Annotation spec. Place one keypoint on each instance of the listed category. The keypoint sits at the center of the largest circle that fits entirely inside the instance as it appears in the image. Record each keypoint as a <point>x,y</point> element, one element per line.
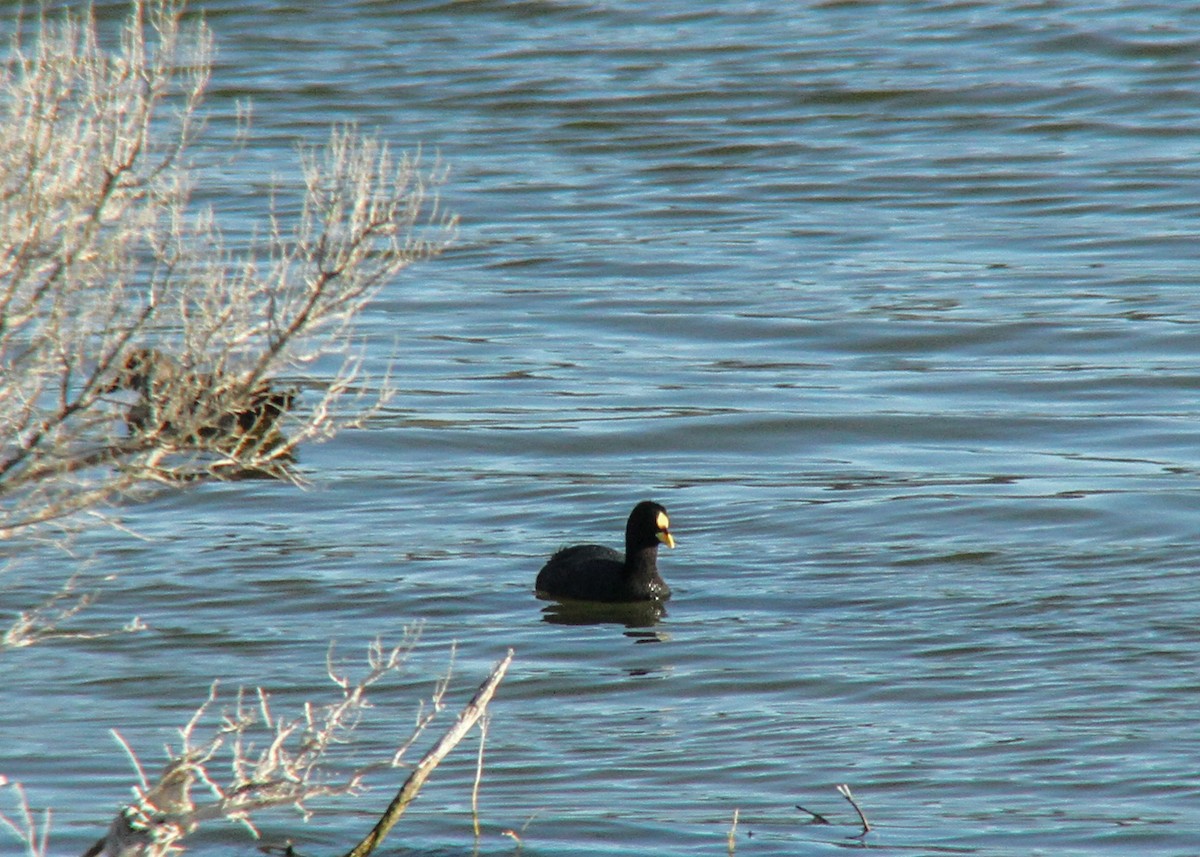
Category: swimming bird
<point>599,573</point>
<point>217,410</point>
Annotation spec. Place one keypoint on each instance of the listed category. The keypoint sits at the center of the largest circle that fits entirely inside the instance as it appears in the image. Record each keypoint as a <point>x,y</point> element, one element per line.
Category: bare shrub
<point>33,833</point>
<point>45,621</point>
<point>252,760</point>
<point>137,350</point>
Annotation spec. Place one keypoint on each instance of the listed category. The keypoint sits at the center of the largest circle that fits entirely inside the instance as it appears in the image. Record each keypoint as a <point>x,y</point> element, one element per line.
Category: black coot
<point>598,573</point>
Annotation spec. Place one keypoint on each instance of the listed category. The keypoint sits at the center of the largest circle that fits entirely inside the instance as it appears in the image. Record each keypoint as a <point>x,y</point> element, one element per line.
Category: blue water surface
<point>892,304</point>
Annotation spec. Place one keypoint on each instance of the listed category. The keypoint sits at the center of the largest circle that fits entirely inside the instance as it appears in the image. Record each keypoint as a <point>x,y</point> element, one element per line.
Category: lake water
<point>893,305</point>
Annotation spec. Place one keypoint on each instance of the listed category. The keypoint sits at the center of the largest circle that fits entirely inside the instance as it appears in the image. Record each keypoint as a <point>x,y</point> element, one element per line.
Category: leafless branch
<point>45,620</point>
<point>138,351</point>
<point>25,827</point>
<point>844,791</point>
<point>815,817</point>
<point>483,729</point>
<point>271,761</point>
<point>474,710</point>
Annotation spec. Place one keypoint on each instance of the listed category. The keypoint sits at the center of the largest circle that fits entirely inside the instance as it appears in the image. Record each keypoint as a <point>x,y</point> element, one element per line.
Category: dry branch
<point>104,260</point>
<point>31,833</point>
<point>815,817</point>
<point>271,761</point>
<point>474,710</point>
<point>844,791</point>
<point>483,731</point>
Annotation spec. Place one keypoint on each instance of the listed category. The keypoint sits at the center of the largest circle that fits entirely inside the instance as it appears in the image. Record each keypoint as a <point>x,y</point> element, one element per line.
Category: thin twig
<point>143,783</point>
<point>844,791</point>
<point>25,827</point>
<point>733,833</point>
<point>515,836</point>
<point>408,792</point>
<point>483,728</point>
<point>816,818</point>
<point>43,622</point>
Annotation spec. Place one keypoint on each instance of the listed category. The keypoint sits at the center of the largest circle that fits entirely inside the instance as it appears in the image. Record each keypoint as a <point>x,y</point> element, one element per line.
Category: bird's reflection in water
<point>639,618</point>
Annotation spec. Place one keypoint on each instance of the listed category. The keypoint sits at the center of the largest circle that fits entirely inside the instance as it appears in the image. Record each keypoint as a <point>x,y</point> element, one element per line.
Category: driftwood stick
<point>408,792</point>
<point>816,818</point>
<point>844,791</point>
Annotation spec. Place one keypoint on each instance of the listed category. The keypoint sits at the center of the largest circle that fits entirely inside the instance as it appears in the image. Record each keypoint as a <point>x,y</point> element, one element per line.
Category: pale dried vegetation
<point>137,350</point>
<point>245,759</point>
<point>140,352</point>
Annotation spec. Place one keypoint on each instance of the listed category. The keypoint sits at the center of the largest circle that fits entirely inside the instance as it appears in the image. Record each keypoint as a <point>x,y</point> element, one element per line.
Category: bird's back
<point>597,573</point>
<point>586,572</point>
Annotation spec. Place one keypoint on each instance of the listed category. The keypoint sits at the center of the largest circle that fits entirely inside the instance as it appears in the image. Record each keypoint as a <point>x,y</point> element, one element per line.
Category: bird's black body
<point>599,573</point>
<point>211,410</point>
